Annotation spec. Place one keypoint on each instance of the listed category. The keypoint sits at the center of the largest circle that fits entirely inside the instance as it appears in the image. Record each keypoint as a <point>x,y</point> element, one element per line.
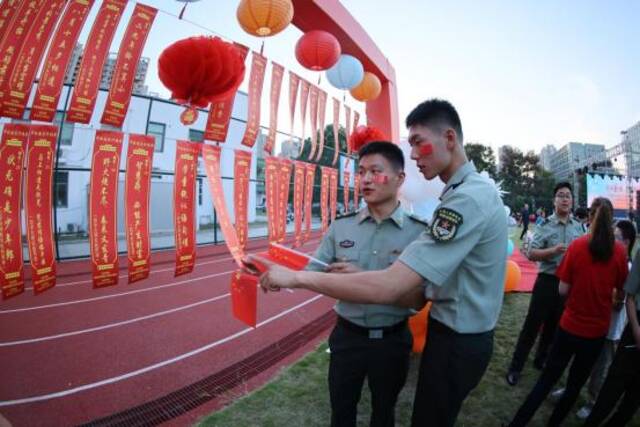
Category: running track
<point>75,354</point>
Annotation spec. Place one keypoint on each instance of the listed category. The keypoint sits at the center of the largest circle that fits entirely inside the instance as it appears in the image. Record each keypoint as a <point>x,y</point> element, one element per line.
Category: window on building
<point>196,135</point>
<point>66,131</point>
<point>158,131</point>
<point>61,191</point>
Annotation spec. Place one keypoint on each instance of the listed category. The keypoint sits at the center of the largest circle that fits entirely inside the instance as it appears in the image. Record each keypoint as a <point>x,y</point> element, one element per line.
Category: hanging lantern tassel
<point>189,116</point>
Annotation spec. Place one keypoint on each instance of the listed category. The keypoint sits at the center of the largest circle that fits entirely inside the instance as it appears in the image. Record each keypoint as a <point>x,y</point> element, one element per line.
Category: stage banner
<point>87,84</point>
<point>324,197</point>
<point>8,11</point>
<point>38,203</point>
<point>184,190</point>
<point>347,128</point>
<point>28,61</point>
<point>284,180</point>
<point>211,155</point>
<point>277,71</point>
<point>241,177</point>
<point>322,112</point>
<point>336,131</point>
<point>49,89</point>
<point>137,191</point>
<point>346,178</point>
<point>304,99</point>
<point>294,82</point>
<point>103,208</point>
<point>298,200</point>
<point>13,146</point>
<point>117,105</point>
<point>333,176</point>
<point>308,198</point>
<point>244,297</point>
<point>256,79</point>
<point>271,191</point>
<point>313,112</point>
<point>220,111</point>
<point>28,15</point>
<point>356,192</point>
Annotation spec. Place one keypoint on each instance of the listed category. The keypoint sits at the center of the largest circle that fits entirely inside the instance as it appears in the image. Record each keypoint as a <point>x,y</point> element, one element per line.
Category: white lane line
<point>112,325</point>
<point>149,368</point>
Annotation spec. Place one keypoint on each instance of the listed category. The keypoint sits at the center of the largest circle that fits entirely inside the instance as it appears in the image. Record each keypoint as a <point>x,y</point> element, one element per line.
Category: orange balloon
<point>368,89</point>
<point>512,276</point>
<point>418,327</point>
<point>264,18</point>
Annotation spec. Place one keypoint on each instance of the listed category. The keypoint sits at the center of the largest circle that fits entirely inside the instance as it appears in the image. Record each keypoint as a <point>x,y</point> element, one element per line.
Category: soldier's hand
<point>275,276</point>
<point>343,267</point>
<point>560,248</point>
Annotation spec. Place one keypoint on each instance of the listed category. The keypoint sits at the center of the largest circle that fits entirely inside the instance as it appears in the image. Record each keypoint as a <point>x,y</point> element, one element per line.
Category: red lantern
<point>199,70</point>
<point>363,135</point>
<point>318,50</point>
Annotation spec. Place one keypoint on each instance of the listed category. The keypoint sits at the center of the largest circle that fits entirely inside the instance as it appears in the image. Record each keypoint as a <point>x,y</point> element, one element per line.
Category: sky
<point>523,73</point>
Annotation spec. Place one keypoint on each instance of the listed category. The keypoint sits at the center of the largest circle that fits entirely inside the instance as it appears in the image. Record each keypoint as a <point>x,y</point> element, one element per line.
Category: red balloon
<point>318,50</point>
<point>365,134</point>
<point>199,70</point>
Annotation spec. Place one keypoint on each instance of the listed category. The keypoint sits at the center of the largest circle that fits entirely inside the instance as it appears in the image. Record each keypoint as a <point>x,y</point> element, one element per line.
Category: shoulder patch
<point>419,219</point>
<point>445,224</point>
<point>347,215</point>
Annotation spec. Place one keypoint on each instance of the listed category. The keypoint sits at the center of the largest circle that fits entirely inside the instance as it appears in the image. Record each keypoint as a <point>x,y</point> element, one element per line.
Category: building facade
<point>546,154</point>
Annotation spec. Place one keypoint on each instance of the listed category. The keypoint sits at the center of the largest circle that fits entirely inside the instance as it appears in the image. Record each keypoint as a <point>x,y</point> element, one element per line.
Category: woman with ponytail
<point>591,274</point>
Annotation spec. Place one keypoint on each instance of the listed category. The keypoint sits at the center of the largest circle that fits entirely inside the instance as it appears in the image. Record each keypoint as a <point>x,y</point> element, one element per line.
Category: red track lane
<point>131,361</point>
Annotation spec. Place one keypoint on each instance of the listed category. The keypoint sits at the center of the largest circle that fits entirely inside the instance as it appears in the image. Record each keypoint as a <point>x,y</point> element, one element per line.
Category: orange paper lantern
<point>368,89</point>
<point>418,326</point>
<point>264,18</point>
<point>512,276</point>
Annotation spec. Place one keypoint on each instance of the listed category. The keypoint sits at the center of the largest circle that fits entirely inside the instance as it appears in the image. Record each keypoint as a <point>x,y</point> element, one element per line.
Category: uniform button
<point>375,252</point>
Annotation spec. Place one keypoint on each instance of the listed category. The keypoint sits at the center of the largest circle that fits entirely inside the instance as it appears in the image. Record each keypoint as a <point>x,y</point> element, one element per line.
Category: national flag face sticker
<point>425,149</point>
<point>445,224</point>
<point>380,179</point>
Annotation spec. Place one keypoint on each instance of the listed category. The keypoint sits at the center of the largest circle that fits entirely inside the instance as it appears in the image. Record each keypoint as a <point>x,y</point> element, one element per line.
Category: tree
<point>482,157</point>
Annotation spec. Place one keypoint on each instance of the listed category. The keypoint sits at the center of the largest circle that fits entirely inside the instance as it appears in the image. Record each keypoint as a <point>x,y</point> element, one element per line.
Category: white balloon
<point>418,194</point>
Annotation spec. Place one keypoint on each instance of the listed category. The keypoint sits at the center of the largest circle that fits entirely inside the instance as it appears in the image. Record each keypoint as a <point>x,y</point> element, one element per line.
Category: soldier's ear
<point>401,177</point>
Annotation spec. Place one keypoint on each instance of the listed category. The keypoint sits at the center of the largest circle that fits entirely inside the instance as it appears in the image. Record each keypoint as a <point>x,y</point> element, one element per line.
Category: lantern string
<point>262,48</point>
<point>182,11</point>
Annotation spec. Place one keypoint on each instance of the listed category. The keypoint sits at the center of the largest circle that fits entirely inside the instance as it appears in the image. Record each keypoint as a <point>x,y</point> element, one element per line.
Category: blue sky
<point>521,73</point>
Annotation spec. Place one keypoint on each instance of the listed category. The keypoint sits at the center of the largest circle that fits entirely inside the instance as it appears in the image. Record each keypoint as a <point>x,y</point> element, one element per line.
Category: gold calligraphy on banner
<point>241,174</point>
<point>256,79</point>
<point>334,193</point>
<point>184,205</point>
<point>347,113</point>
<point>277,71</point>
<point>346,178</point>
<point>271,190</point>
<point>298,201</point>
<point>308,198</point>
<point>8,12</point>
<point>336,130</point>
<point>294,82</point>
<point>304,99</point>
<point>325,182</point>
<point>313,116</point>
<point>322,110</point>
<point>284,182</point>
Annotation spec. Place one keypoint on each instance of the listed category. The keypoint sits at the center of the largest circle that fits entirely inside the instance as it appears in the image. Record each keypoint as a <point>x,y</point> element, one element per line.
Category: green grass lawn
<point>298,396</point>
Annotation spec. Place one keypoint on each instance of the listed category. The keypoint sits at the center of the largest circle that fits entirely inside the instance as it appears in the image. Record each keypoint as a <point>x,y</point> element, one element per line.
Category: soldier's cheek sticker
<point>380,179</point>
<point>425,149</point>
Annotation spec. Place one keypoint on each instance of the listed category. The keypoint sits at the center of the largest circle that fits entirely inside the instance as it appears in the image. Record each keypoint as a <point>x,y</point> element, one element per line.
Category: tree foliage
<point>482,157</point>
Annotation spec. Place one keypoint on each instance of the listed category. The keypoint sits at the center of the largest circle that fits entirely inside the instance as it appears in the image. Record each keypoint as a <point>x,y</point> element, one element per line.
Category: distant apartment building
<point>571,156</point>
<point>546,154</point>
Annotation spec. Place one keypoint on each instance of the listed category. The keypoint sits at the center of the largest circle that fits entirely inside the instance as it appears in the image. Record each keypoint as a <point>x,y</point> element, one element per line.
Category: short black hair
<point>581,212</point>
<point>386,149</point>
<point>436,113</point>
<point>628,232</point>
<point>563,184</point>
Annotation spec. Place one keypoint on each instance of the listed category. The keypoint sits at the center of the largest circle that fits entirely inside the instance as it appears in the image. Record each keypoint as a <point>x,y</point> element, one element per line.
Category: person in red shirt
<point>591,275</point>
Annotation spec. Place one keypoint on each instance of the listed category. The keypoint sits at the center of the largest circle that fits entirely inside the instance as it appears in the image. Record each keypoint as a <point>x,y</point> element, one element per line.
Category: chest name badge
<point>445,224</point>
<point>347,244</point>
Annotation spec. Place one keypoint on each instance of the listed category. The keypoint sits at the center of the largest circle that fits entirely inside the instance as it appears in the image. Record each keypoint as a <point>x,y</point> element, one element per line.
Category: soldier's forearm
<point>541,254</point>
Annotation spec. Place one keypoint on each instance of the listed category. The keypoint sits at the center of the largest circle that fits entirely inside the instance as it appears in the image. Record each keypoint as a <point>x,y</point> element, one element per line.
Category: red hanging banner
<point>42,149</point>
<point>304,99</point>
<point>334,193</point>
<point>308,198</point>
<point>356,192</point>
<point>298,200</point>
<point>103,207</point>
<point>271,191</point>
<point>347,113</point>
<point>322,112</point>
<point>356,119</point>
<point>277,71</point>
<point>241,176</point>
<point>184,186</point>
<point>55,65</point>
<point>256,79</point>
<point>336,131</point>
<point>294,82</point>
<point>137,190</point>
<point>28,15</point>
<point>8,11</point>
<point>284,179</point>
<point>211,155</point>
<point>117,105</point>
<point>346,178</point>
<point>324,197</point>
<point>244,297</point>
<point>12,153</point>
<point>85,93</point>
<point>313,112</point>
<point>220,111</point>
<point>28,60</point>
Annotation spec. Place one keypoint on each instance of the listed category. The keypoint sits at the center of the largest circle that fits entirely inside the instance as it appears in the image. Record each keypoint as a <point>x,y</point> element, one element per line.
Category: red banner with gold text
<point>322,112</point>
<point>333,202</point>
<point>13,147</point>
<point>184,205</point>
<point>294,82</point>
<point>103,207</point>
<point>256,79</point>
<point>298,200</point>
<point>95,53</point>
<point>42,149</point>
<point>8,11</point>
<point>313,117</point>
<point>28,60</point>
<point>136,195</point>
<point>211,155</point>
<point>308,198</point>
<point>304,100</point>
<point>241,177</point>
<point>284,180</point>
<point>117,105</point>
<point>336,131</point>
<point>277,71</point>
<point>220,111</point>
<point>347,114</point>
<point>346,178</point>
<point>47,96</point>
<point>271,192</point>
<point>356,192</point>
<point>325,182</point>
<point>356,119</point>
